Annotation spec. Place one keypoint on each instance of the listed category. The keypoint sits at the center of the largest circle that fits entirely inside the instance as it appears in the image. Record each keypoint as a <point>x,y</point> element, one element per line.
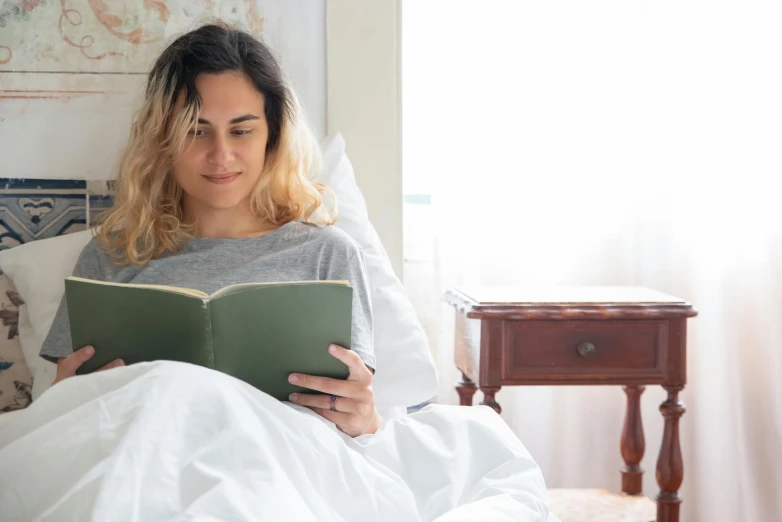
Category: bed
<point>171,441</point>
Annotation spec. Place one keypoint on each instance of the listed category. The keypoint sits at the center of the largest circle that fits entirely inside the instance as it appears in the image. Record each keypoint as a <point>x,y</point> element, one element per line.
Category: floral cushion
<point>16,383</point>
<point>597,505</point>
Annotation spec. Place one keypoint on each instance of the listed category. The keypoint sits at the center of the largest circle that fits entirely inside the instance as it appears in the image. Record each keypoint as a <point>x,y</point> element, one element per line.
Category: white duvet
<point>174,442</point>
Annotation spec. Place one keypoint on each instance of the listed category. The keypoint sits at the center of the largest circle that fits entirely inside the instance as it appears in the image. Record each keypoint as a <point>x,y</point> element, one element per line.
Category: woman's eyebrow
<point>238,119</point>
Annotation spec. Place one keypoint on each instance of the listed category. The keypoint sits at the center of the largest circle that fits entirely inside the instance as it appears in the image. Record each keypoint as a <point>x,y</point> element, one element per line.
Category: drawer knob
<point>586,349</point>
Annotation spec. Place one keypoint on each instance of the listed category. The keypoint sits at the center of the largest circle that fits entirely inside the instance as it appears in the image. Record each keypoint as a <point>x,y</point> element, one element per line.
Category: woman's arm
<point>349,404</point>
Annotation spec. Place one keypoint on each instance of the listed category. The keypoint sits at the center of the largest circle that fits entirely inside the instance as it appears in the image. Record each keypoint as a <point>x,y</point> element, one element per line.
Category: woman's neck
<point>237,222</point>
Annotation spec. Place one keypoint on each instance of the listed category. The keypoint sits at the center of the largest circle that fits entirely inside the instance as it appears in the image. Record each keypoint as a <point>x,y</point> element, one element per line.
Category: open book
<point>257,332</point>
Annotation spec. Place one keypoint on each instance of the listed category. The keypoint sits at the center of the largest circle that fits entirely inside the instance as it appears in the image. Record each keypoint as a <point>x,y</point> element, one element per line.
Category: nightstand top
<point>560,302</point>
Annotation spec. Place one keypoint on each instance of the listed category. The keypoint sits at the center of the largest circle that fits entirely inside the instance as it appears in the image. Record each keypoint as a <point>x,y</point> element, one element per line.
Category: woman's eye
<point>196,132</point>
<point>242,132</point>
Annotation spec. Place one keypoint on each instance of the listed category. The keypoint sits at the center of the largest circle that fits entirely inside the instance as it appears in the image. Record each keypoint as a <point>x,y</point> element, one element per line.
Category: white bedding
<point>169,441</point>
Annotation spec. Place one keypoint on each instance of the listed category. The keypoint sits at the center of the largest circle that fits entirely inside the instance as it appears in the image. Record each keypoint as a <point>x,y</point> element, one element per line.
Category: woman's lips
<point>222,179</point>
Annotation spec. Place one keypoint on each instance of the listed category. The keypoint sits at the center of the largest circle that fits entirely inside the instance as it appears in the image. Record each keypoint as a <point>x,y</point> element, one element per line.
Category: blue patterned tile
<point>34,216</point>
<point>33,209</point>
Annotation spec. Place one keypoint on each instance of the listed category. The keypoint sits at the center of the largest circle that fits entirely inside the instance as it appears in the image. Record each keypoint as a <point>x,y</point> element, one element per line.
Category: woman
<point>212,190</point>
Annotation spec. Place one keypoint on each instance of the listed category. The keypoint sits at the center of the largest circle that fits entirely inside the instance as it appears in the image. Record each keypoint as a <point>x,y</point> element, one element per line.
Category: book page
<point>241,287</point>
<point>162,288</point>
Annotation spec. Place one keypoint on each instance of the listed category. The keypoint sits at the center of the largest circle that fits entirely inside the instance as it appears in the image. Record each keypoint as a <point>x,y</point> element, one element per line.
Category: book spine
<point>208,332</point>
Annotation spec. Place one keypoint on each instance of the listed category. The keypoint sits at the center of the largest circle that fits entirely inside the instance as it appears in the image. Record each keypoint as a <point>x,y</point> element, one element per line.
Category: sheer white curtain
<point>615,142</point>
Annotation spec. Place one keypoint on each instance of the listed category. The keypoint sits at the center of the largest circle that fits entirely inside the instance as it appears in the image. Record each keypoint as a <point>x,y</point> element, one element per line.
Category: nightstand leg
<point>488,399</point>
<point>633,444</point>
<point>670,468</point>
<point>466,389</point>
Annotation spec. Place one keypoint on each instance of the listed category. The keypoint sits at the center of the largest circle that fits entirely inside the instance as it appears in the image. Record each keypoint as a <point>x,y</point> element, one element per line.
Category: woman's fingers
<point>67,366</point>
<point>323,402</point>
<point>358,381</point>
<point>116,363</point>
<point>358,370</point>
<point>72,363</point>
<point>324,384</point>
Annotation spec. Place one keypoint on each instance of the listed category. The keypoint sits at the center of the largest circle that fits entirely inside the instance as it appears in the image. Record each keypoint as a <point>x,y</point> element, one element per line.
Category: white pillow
<point>31,339</point>
<point>405,374</point>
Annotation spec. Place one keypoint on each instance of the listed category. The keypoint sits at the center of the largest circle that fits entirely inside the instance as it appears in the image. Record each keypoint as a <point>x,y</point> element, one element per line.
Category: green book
<point>257,332</point>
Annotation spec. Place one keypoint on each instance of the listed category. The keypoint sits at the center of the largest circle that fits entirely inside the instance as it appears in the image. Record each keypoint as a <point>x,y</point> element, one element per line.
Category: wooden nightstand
<point>626,336</point>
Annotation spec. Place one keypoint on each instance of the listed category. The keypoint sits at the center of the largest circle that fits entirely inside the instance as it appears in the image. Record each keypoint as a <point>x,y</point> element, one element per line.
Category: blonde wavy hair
<point>147,218</point>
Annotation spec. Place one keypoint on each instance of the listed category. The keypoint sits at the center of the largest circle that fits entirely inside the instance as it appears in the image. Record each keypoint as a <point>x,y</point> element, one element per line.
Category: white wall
<point>363,93</point>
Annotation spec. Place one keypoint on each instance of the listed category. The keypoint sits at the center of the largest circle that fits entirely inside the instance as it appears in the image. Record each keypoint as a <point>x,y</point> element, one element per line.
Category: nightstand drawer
<point>569,351</point>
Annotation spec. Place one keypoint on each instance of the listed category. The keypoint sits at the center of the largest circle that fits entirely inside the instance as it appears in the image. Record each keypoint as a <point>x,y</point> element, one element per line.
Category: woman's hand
<point>67,366</point>
<point>349,404</point>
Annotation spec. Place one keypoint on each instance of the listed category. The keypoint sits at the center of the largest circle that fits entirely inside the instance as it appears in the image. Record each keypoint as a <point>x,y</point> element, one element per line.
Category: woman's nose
<point>221,153</point>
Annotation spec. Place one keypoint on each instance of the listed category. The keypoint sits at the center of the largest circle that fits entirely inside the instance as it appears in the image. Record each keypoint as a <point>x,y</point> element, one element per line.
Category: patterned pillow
<point>16,383</point>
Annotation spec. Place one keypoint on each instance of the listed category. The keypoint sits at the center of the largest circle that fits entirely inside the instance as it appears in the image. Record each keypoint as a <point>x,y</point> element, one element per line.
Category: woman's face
<point>224,155</point>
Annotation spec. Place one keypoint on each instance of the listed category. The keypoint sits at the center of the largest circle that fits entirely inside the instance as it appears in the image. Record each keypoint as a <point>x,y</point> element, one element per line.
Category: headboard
<point>32,209</point>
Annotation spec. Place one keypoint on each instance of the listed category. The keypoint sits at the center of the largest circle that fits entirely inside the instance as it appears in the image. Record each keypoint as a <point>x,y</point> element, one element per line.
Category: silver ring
<point>333,406</point>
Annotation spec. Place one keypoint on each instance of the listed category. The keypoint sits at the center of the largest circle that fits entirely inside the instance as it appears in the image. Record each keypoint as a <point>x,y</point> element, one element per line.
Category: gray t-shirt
<point>294,252</point>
